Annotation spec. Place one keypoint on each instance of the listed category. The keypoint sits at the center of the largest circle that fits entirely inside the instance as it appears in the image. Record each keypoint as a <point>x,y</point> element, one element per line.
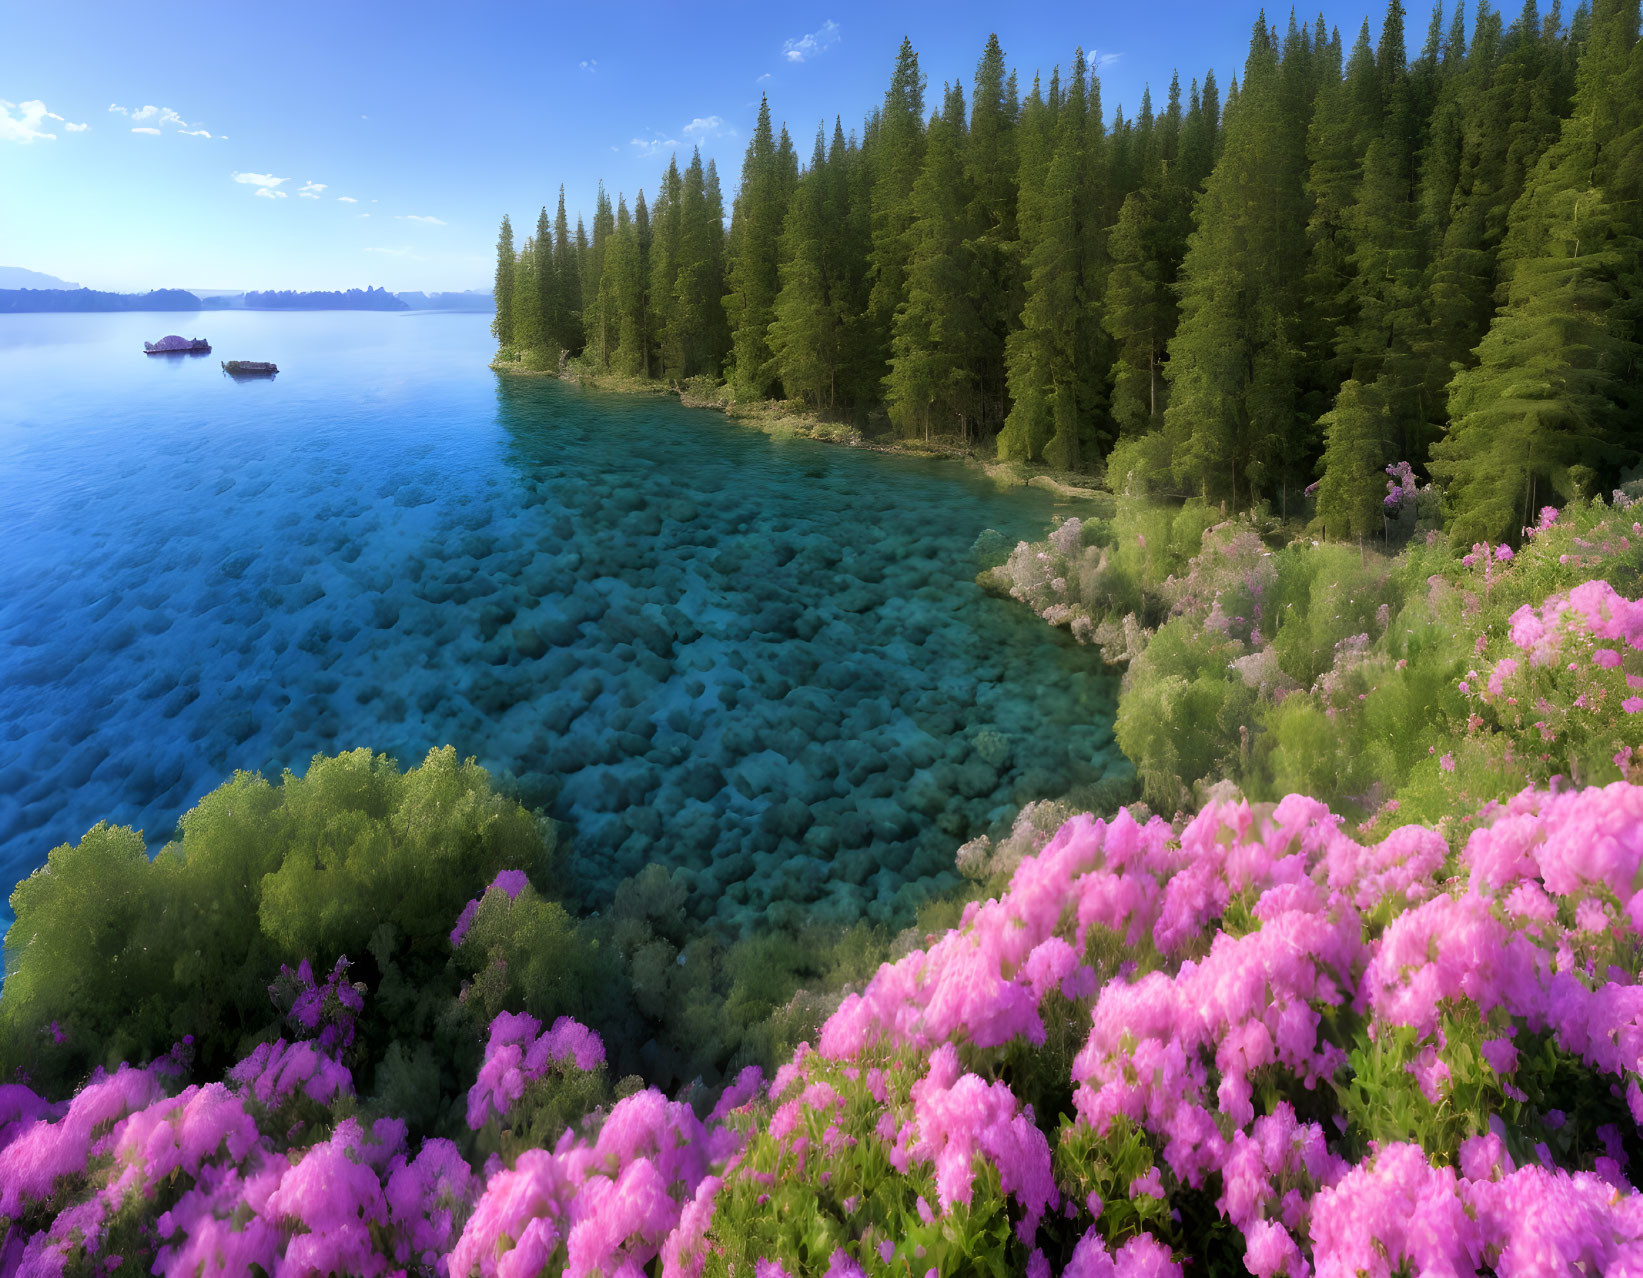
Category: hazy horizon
<point>9,279</point>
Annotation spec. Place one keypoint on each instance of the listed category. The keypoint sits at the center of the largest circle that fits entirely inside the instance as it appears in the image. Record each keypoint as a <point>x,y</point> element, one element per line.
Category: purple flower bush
<point>1561,693</point>
<point>1251,1036</point>
<point>517,1055</point>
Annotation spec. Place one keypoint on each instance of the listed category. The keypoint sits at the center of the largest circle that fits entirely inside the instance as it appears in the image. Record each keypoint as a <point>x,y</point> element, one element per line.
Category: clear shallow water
<point>763,661</point>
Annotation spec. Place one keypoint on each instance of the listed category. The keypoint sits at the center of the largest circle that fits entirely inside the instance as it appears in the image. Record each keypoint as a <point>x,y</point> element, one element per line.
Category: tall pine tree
<point>939,330</point>
<point>502,289</point>
<point>753,275</point>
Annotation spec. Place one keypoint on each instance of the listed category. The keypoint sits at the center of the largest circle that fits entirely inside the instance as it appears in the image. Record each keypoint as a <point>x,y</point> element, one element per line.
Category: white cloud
<point>310,190</point>
<point>397,252</point>
<point>416,217</point>
<point>259,179</point>
<point>76,128</point>
<point>145,129</point>
<point>809,46</point>
<point>364,215</point>
<point>1101,61</point>
<point>146,114</point>
<point>762,78</point>
<point>268,193</point>
<point>655,146</point>
<point>194,133</point>
<point>346,199</point>
<point>710,127</point>
<point>590,65</point>
<point>25,126</point>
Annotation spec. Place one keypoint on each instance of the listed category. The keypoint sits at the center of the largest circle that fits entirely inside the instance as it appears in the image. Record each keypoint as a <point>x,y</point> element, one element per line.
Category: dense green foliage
<point>115,956</point>
<point>1364,256</point>
<point>1291,666</point>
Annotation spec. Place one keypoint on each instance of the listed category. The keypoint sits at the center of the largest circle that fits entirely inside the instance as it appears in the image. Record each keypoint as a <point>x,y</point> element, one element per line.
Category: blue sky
<point>249,146</point>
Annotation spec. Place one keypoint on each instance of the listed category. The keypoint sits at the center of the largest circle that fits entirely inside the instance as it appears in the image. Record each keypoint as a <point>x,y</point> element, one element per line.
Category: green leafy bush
<point>125,956</point>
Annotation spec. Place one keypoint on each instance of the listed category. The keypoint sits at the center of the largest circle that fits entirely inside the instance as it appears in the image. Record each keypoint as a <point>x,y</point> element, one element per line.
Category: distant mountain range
<point>17,277</point>
<point>24,290</point>
<point>85,299</point>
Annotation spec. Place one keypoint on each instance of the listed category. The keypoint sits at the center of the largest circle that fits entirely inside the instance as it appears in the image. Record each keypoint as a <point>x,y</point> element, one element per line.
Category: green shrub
<point>127,955</point>
<point>1184,716</point>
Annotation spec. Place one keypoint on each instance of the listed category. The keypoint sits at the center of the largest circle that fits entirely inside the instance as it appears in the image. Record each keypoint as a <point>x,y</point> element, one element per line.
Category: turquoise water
<point>764,662</point>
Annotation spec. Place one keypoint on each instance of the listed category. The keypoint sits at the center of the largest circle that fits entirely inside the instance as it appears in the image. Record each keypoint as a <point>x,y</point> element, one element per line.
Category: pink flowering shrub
<point>534,1084</point>
<point>1250,1040</point>
<point>1562,692</point>
<point>1238,981</point>
<point>608,1202</point>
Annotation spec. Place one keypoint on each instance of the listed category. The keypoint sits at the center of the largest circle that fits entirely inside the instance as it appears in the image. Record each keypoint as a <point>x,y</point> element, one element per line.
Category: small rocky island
<point>249,368</point>
<point>174,345</point>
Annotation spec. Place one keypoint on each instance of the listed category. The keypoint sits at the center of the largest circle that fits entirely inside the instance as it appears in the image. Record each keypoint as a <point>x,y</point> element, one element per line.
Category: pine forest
<point>1260,296</point>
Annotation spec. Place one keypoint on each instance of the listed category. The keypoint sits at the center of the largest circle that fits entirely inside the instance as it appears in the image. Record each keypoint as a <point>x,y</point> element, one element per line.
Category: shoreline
<point>785,419</point>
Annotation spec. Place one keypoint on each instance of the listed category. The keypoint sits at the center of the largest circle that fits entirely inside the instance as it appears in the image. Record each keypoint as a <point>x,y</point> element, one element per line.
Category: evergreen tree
<point>1234,414</point>
<point>1139,313</point>
<point>601,324</point>
<point>698,330</point>
<point>1545,412</point>
<point>804,336</point>
<point>1354,479</point>
<point>990,173</point>
<point>546,294</point>
<point>849,219</point>
<point>1200,135</point>
<point>630,269</point>
<point>502,289</point>
<point>667,231</point>
<point>753,275</point>
<point>939,329</point>
<point>621,294</point>
<point>1344,120</point>
<point>1505,101</point>
<point>1347,258</point>
<point>896,155</point>
<point>567,299</point>
<point>1055,365</point>
<point>528,336</point>
<point>1387,260</point>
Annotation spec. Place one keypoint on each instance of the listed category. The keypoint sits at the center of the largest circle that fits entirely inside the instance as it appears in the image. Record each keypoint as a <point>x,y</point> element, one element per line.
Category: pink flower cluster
<point>1218,977</point>
<point>517,1054</point>
<point>1594,608</point>
<point>1569,681</point>
<point>1397,1210</point>
<point>958,1116</point>
<point>1323,923</point>
<point>352,1203</point>
<point>611,1204</point>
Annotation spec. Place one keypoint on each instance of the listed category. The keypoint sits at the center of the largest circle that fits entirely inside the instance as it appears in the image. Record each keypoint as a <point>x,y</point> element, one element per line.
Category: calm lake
<point>764,662</point>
